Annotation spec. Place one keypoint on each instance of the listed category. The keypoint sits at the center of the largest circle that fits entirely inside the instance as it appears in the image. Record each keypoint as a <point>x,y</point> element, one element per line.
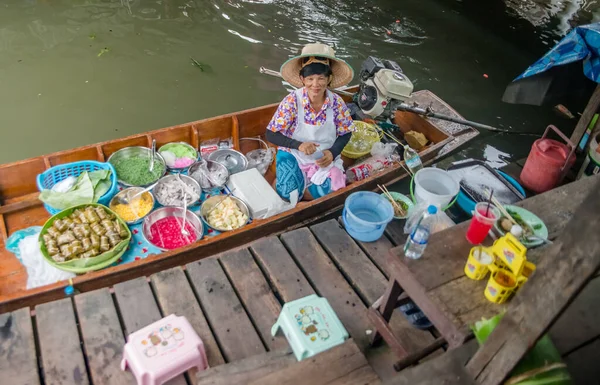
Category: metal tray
<point>475,177</point>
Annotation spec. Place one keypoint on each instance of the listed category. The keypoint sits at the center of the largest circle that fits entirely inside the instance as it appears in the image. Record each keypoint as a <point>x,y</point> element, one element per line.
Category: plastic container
<point>435,186</point>
<point>366,214</point>
<point>254,190</point>
<point>50,177</point>
<point>484,217</point>
<point>548,162</point>
<point>415,245</point>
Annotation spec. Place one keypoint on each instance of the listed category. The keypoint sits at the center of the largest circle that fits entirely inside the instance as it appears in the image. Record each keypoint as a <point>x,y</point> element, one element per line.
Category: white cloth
<point>39,272</point>
<point>324,136</point>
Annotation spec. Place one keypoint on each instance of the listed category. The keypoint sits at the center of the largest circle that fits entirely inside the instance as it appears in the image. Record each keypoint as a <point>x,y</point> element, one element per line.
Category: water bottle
<point>412,160</point>
<point>417,240</point>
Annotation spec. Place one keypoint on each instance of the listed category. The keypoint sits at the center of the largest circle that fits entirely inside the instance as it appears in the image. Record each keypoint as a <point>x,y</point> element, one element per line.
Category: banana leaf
<point>542,365</point>
<point>83,265</point>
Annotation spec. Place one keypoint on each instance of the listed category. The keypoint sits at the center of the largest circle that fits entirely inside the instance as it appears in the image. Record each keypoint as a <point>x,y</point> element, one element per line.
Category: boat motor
<point>383,87</point>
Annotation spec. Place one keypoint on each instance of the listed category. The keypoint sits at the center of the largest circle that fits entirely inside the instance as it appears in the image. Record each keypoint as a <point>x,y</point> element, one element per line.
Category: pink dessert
<point>166,233</point>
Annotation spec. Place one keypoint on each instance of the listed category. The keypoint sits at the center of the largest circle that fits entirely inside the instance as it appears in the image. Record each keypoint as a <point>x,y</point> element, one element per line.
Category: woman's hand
<point>326,159</point>
<point>308,148</point>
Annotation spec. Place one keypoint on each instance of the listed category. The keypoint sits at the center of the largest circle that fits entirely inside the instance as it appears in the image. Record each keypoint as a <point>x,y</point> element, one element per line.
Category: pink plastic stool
<point>163,350</point>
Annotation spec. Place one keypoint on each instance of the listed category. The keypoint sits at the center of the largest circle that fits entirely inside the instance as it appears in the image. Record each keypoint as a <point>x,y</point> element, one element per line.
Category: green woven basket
<point>80,266</point>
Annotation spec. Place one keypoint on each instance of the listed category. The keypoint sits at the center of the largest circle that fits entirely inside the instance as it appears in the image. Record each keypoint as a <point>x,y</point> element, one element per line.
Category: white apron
<point>324,136</point>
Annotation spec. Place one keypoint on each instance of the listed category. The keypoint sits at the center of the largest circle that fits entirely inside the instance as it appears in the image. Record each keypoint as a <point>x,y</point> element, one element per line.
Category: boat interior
<point>20,207</point>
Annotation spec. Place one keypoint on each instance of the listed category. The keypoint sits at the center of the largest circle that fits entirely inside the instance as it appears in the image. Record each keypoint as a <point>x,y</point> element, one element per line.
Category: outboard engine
<point>383,86</point>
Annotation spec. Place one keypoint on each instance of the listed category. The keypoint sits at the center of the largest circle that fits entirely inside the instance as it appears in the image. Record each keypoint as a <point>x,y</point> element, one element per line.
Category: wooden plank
<point>583,366</point>
<point>247,369</point>
<point>255,293</point>
<point>378,251</point>
<point>361,376</point>
<point>447,369</point>
<point>580,322</point>
<point>586,117</point>
<point>139,309</point>
<point>329,283</point>
<point>175,296</point>
<point>18,360</point>
<point>288,282</point>
<point>137,306</point>
<point>365,278</point>
<point>395,232</point>
<point>323,368</point>
<point>58,335</point>
<point>444,259</point>
<point>230,323</point>
<point>464,298</point>
<point>102,338</point>
<point>570,263</point>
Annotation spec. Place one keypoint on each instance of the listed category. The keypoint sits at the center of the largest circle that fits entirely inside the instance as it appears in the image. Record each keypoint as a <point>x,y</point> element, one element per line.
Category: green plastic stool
<point>310,326</point>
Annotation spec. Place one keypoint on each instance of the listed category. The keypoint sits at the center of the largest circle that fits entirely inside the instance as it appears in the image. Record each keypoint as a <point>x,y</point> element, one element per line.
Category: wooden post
<point>570,262</point>
<point>586,117</point>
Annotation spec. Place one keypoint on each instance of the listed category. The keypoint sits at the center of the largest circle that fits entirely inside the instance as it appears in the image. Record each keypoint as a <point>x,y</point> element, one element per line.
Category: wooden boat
<point>20,207</point>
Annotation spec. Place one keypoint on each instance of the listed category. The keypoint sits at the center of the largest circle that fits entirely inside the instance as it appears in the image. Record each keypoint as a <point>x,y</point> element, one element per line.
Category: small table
<point>437,284</point>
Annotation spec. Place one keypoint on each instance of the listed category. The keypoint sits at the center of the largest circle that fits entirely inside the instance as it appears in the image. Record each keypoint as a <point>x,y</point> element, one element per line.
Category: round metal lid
<point>233,160</point>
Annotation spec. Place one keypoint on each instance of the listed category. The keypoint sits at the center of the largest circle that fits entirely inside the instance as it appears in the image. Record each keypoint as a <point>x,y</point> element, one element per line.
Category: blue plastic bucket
<point>366,214</point>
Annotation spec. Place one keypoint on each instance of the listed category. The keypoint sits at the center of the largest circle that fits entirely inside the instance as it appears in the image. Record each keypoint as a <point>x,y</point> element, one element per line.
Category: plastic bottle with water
<point>412,159</point>
<point>417,240</point>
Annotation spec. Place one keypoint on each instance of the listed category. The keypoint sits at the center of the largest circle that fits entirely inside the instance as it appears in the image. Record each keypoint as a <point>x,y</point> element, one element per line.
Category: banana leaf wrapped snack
<point>83,236</point>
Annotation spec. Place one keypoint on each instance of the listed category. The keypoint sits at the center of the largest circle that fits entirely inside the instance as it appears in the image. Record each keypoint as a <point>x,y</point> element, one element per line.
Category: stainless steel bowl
<point>165,212</point>
<point>132,191</point>
<point>211,167</point>
<point>134,152</point>
<point>234,160</point>
<point>169,178</point>
<point>179,169</point>
<point>211,202</point>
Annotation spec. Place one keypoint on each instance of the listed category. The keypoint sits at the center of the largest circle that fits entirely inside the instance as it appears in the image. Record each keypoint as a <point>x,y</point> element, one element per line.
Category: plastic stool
<point>310,326</point>
<point>163,350</point>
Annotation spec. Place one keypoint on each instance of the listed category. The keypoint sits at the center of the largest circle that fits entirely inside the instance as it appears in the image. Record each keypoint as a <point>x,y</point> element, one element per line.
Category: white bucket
<point>435,186</point>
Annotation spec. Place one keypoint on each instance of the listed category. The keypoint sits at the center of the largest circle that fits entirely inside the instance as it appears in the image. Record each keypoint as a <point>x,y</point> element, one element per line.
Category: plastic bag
<point>383,149</point>
<point>39,272</point>
<point>261,159</point>
<point>441,220</point>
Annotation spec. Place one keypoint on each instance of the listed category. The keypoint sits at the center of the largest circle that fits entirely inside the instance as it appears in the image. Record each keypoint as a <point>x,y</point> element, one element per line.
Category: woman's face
<point>315,84</point>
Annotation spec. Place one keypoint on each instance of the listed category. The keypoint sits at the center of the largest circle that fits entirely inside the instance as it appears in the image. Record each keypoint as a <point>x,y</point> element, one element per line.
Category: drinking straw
<point>489,203</point>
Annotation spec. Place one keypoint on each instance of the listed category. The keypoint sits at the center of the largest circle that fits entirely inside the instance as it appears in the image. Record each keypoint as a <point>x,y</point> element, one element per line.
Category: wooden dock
<point>233,299</point>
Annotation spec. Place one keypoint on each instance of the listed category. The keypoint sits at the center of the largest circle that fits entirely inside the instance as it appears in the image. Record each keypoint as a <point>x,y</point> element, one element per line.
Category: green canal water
<point>82,71</point>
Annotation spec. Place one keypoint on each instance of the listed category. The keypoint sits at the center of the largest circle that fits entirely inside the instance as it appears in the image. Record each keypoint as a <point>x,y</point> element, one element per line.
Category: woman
<point>312,125</point>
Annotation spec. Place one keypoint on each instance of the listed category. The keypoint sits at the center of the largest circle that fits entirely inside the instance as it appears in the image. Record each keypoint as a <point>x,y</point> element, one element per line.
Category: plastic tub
<point>435,186</point>
<point>366,214</point>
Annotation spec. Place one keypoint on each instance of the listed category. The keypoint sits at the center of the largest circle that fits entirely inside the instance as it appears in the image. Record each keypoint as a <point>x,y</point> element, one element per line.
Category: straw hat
<point>342,72</point>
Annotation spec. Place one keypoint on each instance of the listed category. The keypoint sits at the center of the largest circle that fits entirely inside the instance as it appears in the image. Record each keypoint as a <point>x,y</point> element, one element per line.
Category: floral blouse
<point>284,119</point>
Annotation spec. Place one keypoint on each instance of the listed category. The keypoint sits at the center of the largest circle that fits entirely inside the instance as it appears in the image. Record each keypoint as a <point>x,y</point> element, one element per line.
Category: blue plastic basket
<point>52,176</point>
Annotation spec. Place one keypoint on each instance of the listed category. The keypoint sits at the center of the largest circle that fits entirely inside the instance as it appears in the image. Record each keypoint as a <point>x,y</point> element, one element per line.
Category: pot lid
<point>233,160</point>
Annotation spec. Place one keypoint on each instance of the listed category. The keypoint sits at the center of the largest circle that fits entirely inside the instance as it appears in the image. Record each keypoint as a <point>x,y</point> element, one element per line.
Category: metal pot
<point>233,160</point>
<point>211,202</point>
<point>135,152</point>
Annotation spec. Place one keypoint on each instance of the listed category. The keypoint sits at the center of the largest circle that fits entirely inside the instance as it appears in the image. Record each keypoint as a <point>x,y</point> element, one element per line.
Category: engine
<point>383,87</point>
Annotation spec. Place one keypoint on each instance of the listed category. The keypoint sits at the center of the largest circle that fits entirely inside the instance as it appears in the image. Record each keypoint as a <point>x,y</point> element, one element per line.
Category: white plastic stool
<point>310,326</point>
<point>163,350</point>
